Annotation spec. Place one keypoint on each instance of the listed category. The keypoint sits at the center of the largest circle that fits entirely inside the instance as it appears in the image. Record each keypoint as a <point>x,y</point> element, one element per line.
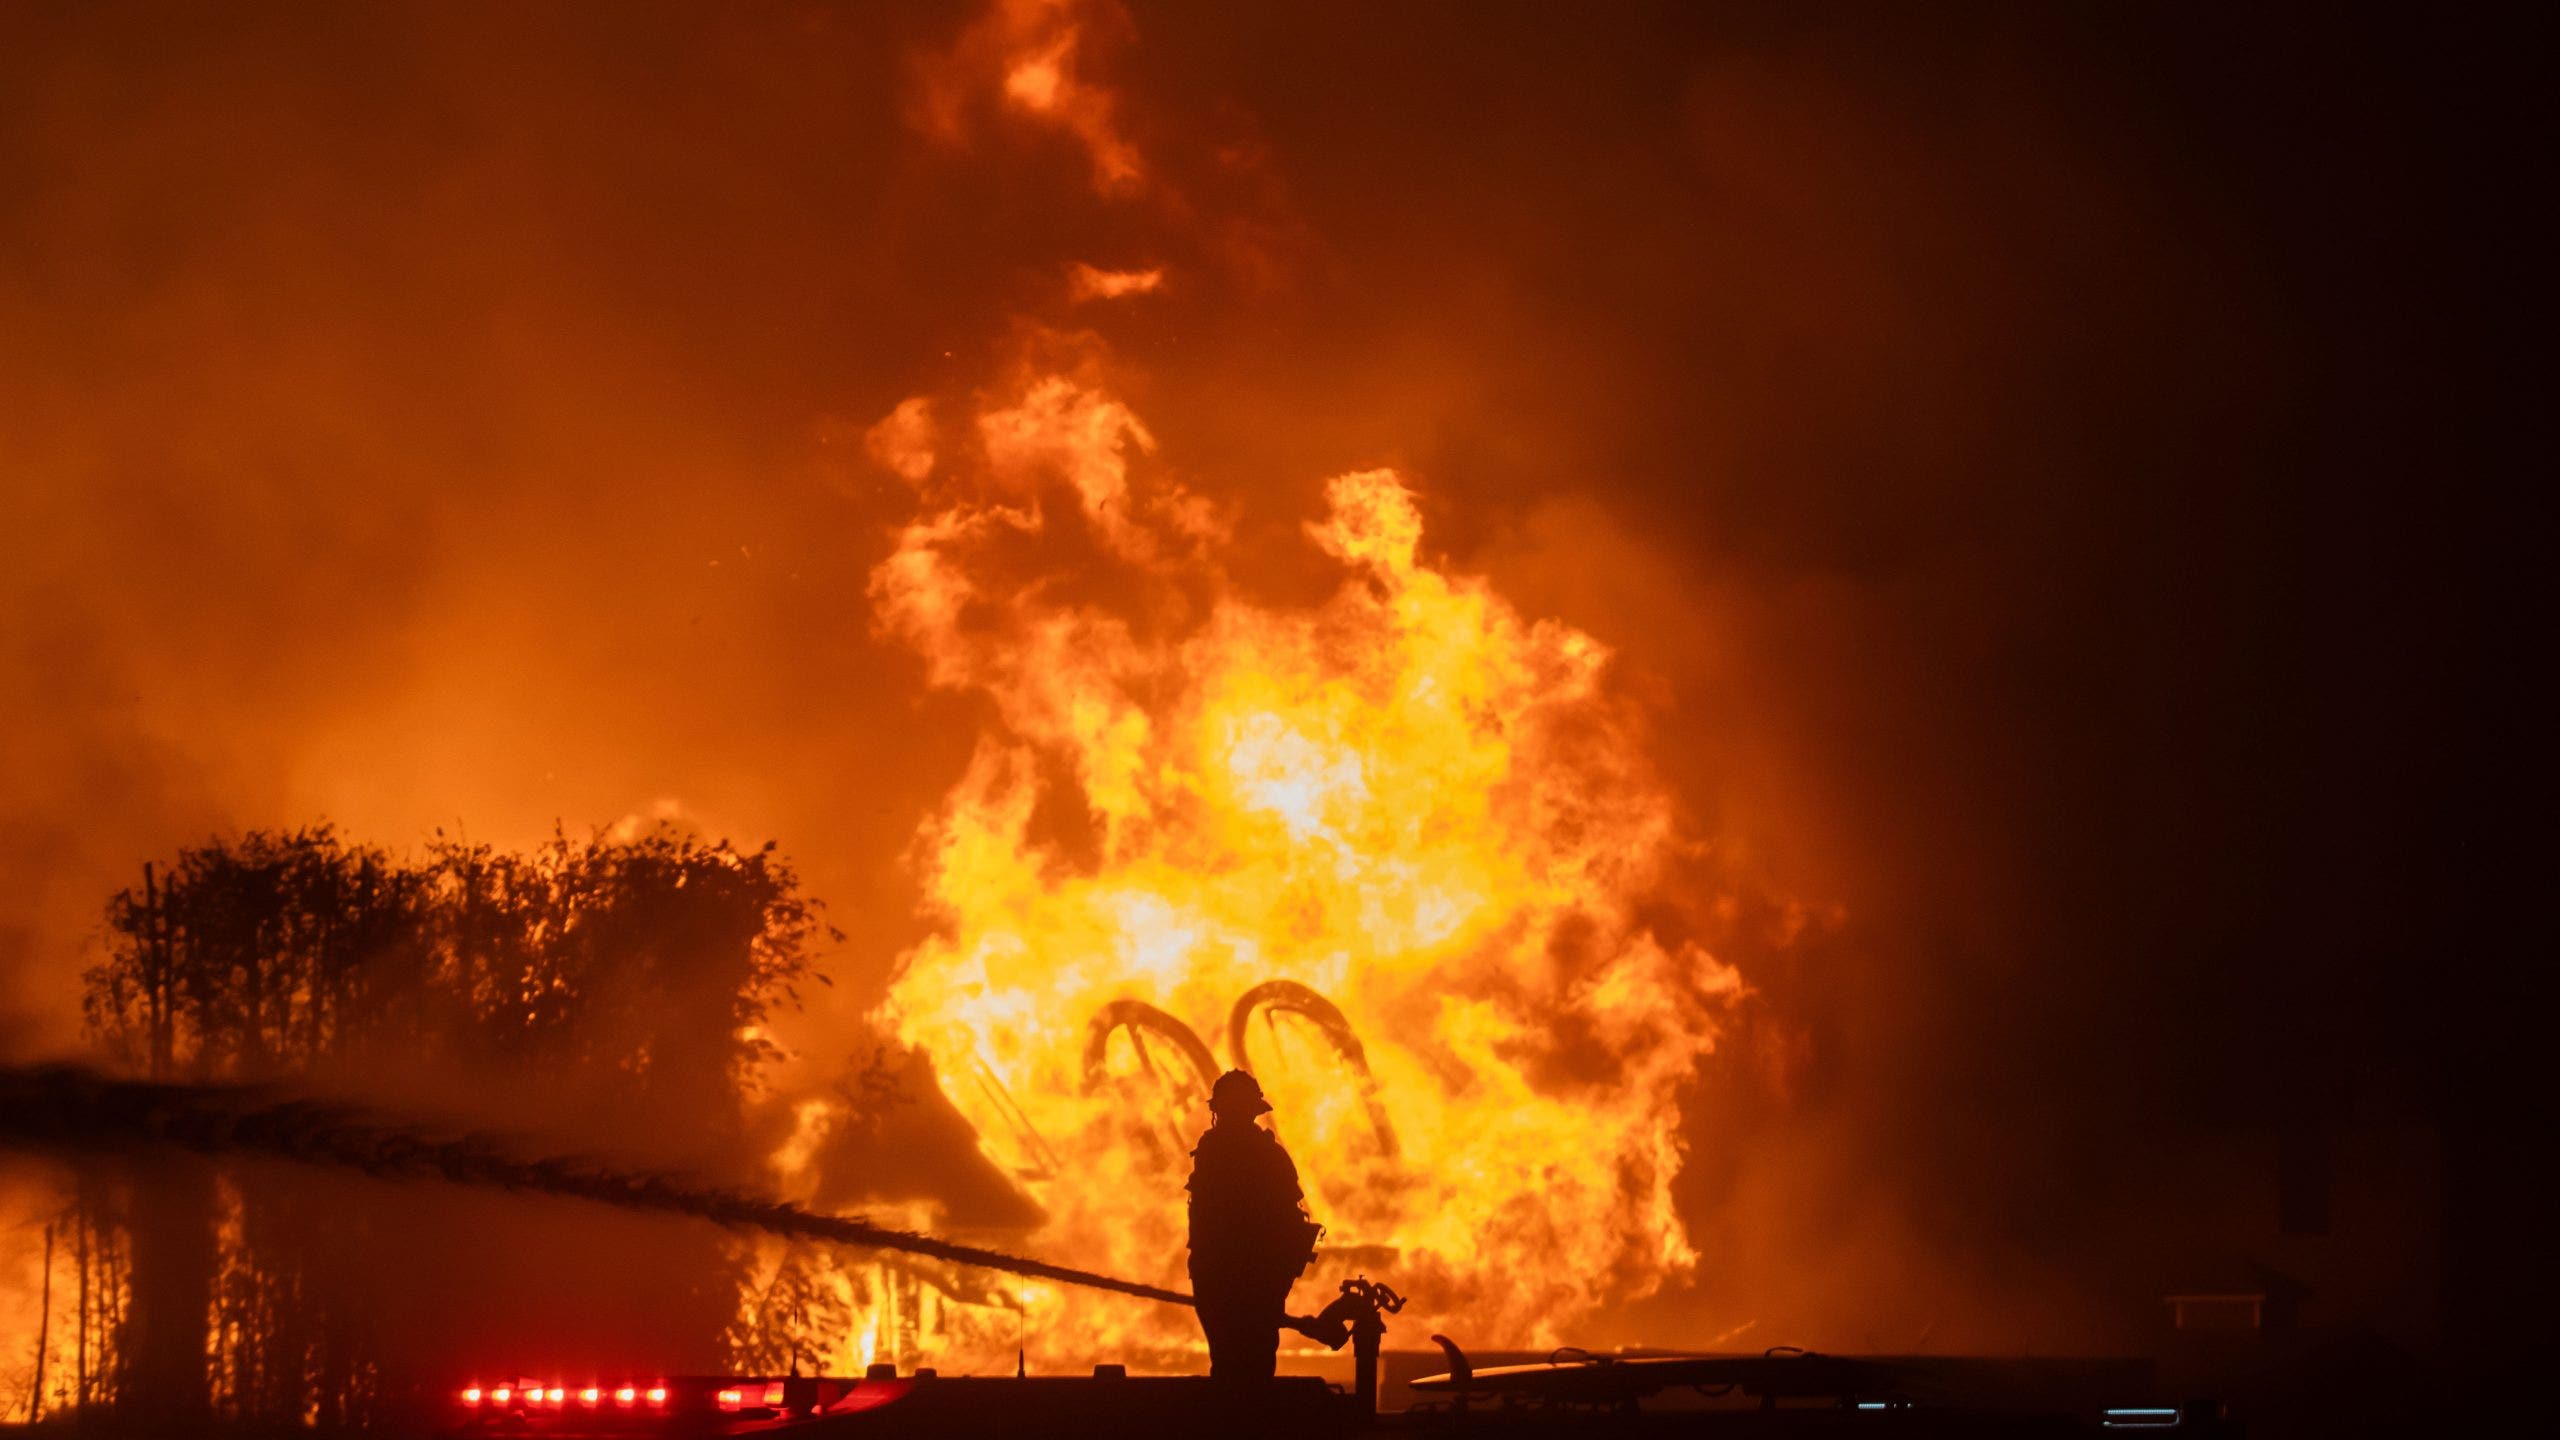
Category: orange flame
<point>1029,55</point>
<point>1424,812</point>
<point>1090,282</point>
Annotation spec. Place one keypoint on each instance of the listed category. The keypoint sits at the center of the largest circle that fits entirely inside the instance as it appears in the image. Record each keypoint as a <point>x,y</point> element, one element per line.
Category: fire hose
<point>68,1109</point>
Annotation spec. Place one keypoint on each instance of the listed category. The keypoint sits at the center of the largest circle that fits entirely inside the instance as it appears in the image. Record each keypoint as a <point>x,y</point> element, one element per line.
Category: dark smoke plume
<point>70,1109</point>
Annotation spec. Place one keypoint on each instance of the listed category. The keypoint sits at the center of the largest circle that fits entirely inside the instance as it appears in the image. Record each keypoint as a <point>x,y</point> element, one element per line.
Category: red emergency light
<point>769,1395</point>
<point>550,1394</point>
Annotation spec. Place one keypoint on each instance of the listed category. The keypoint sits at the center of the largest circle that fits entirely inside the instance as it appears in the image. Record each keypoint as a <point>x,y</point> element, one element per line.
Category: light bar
<point>550,1394</point>
<point>2139,1417</point>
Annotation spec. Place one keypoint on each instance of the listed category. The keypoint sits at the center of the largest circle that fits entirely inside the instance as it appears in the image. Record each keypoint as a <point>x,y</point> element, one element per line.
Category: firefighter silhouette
<point>1250,1235</point>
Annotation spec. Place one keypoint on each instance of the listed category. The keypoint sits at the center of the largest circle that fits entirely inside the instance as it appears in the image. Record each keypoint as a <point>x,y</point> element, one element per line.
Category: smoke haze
<point>1994,443</point>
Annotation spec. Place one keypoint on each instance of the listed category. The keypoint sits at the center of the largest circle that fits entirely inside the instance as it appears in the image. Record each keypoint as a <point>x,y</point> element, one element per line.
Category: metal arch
<point>1138,1015</point>
<point>1165,1132</point>
<point>1297,999</point>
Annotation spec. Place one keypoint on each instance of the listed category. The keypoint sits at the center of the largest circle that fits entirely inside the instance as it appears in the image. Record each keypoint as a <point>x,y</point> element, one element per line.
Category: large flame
<point>1408,801</point>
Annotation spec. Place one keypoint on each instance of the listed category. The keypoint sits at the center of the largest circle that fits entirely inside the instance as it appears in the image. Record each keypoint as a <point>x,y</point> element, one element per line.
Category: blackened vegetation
<point>608,987</point>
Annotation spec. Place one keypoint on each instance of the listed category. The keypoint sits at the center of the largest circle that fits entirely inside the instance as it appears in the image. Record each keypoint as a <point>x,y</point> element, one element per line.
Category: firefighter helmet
<point>1237,1093</point>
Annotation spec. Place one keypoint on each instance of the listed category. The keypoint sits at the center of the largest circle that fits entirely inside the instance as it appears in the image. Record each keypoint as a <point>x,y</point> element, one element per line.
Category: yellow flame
<point>1428,810</point>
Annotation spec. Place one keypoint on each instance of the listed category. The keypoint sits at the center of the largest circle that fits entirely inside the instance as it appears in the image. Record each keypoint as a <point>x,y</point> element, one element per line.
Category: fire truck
<point>1565,1393</point>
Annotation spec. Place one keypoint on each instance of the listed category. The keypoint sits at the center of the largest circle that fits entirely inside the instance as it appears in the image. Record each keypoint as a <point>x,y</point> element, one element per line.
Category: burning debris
<point>1401,851</point>
<point>1401,847</point>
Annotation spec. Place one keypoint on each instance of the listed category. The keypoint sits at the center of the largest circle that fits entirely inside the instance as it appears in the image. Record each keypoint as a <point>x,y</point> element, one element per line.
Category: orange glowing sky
<point>1939,444</point>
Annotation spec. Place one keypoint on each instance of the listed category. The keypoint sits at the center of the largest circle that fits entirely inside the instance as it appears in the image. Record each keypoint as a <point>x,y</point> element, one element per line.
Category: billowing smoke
<point>1980,438</point>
